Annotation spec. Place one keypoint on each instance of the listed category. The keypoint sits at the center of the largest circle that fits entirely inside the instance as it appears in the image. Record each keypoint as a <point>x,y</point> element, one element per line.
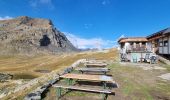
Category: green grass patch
<point>130,79</point>
<point>164,87</point>
<point>77,93</point>
<point>24,76</point>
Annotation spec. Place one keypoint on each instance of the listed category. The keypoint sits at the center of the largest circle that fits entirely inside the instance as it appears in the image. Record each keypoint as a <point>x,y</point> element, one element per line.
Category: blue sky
<point>95,23</point>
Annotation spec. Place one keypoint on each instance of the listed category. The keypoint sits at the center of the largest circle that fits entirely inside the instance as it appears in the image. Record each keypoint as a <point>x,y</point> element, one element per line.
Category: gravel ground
<point>144,66</point>
<point>165,76</point>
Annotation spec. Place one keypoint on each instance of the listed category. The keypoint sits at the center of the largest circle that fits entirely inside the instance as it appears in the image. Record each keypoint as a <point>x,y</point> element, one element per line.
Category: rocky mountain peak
<point>27,35</point>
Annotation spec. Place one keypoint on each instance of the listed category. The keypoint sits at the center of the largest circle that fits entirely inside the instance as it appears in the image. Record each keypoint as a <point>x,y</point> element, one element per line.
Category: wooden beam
<point>168,44</point>
<point>93,69</point>
<point>154,38</point>
<point>83,88</point>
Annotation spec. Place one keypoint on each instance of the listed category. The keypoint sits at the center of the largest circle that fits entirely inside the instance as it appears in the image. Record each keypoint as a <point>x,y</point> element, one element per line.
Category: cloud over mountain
<point>5,18</point>
<point>84,43</point>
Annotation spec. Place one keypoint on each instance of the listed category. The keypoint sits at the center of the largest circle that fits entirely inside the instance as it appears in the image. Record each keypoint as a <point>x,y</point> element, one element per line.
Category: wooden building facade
<point>160,42</point>
<point>156,43</point>
<point>133,48</point>
<point>133,44</point>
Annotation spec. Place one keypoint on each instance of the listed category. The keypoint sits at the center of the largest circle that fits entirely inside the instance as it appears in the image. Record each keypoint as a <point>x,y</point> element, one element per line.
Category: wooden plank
<point>82,88</point>
<point>93,69</point>
<point>96,61</point>
<point>104,64</point>
<point>103,78</point>
<point>96,65</point>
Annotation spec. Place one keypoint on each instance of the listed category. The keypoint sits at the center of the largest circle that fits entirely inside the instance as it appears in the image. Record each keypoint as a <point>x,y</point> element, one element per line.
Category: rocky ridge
<point>32,35</point>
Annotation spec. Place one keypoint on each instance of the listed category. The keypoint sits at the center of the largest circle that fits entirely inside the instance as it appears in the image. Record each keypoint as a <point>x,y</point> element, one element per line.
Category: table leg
<point>69,81</point>
<point>81,72</point>
<point>58,92</point>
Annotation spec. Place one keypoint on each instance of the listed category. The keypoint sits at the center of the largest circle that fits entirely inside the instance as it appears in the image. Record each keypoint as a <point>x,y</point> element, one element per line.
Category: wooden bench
<point>105,92</point>
<point>103,70</point>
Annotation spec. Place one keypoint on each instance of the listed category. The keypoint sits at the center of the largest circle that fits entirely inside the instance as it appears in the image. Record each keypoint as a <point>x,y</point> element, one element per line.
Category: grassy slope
<point>23,67</point>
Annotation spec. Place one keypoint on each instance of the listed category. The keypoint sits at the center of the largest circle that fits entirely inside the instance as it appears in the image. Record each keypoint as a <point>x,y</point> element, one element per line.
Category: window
<point>143,43</point>
<point>166,43</point>
<point>160,44</point>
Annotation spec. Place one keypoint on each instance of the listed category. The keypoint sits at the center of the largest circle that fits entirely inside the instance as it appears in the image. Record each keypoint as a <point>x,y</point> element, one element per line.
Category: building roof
<point>132,39</point>
<point>159,33</point>
<point>153,36</point>
<point>167,31</point>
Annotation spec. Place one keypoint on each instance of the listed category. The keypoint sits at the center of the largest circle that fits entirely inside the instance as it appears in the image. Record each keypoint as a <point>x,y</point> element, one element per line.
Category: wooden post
<point>162,45</point>
<point>168,44</point>
<point>141,58</point>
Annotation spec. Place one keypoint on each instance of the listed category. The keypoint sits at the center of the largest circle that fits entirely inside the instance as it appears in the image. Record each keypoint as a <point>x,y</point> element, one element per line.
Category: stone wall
<point>36,94</point>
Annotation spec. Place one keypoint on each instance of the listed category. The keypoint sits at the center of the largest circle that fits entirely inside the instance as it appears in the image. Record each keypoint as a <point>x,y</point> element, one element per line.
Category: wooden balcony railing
<point>137,49</point>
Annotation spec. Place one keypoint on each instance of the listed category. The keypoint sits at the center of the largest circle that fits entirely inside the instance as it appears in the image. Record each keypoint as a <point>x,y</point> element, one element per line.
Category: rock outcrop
<point>32,35</point>
<point>4,77</point>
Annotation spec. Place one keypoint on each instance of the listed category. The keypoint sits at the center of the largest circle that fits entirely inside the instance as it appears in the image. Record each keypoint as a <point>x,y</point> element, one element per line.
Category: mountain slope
<point>32,35</point>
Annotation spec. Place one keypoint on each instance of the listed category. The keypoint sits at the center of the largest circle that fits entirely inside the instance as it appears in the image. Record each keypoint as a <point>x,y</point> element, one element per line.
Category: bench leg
<point>104,73</point>
<point>104,85</point>
<point>58,93</point>
<point>104,96</point>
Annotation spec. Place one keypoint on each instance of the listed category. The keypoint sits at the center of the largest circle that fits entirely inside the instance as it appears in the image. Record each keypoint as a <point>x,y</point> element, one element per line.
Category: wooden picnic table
<point>103,70</point>
<point>96,65</point>
<point>102,78</point>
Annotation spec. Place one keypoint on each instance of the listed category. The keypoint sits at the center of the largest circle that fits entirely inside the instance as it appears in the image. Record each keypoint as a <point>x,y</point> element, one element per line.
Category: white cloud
<point>45,1</point>
<point>105,2</point>
<point>33,4</point>
<point>87,26</point>
<point>84,43</point>
<point>122,36</point>
<point>38,3</point>
<point>116,41</point>
<point>5,18</point>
